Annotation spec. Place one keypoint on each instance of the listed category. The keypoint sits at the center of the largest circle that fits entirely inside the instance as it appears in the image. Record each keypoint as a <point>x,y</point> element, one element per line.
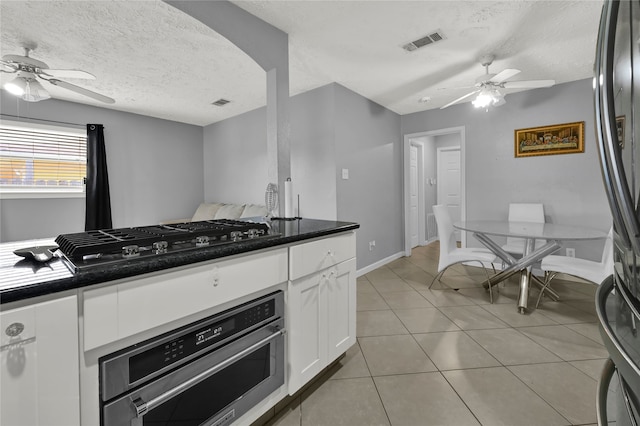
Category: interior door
<point>413,196</point>
<point>449,183</point>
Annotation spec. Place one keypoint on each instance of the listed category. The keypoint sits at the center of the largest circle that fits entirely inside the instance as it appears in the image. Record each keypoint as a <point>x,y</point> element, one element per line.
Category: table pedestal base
<point>522,265</point>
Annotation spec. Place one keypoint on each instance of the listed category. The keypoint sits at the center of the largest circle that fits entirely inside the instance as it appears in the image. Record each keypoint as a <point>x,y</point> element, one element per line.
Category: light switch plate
<point>345,173</point>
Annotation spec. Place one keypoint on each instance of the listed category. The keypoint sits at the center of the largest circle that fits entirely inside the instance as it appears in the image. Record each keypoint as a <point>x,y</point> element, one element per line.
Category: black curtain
<point>98,201</point>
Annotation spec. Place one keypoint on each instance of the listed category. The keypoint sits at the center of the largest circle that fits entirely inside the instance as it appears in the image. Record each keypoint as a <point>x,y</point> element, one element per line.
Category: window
<point>37,159</point>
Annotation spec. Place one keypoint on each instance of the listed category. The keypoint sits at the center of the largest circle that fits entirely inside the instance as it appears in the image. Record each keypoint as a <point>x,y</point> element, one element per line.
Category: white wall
<point>155,171</point>
<point>569,185</point>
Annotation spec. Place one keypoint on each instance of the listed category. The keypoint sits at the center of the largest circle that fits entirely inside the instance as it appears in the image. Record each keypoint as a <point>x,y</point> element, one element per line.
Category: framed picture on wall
<point>567,138</point>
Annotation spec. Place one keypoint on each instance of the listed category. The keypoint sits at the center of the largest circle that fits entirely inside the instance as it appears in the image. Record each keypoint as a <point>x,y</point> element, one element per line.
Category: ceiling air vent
<point>424,41</point>
<point>220,102</point>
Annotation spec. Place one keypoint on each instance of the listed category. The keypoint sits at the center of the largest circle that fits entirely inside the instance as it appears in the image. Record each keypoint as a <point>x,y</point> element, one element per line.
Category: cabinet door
<point>39,376</point>
<point>341,306</point>
<point>18,378</point>
<point>307,322</point>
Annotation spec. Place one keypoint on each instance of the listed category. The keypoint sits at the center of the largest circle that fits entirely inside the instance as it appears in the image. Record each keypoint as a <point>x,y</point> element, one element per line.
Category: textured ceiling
<point>154,60</point>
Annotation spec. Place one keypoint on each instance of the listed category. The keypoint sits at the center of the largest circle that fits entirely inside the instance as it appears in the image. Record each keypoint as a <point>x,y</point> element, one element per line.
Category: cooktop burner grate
<point>203,233</point>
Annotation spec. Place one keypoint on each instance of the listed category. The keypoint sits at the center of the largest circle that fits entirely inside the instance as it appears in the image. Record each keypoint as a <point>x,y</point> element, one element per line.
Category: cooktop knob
<point>130,251</point>
<point>202,241</point>
<point>160,247</point>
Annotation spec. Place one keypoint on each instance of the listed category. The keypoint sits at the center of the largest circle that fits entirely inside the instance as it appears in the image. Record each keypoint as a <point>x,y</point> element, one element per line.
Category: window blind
<point>43,160</point>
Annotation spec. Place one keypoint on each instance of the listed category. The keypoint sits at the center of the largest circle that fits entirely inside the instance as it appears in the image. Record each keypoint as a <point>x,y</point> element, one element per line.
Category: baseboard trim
<point>376,265</point>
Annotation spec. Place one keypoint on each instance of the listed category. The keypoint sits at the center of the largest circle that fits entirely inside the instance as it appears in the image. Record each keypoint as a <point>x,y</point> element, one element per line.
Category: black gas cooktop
<point>93,248</point>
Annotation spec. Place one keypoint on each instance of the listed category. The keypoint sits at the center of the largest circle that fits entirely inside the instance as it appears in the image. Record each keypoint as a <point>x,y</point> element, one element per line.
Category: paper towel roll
<point>288,199</point>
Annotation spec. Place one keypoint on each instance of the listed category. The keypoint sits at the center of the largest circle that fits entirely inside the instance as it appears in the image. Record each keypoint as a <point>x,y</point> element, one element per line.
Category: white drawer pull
<point>14,329</point>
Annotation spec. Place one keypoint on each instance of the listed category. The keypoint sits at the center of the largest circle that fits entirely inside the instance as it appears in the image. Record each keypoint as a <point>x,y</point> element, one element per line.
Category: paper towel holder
<point>286,202</point>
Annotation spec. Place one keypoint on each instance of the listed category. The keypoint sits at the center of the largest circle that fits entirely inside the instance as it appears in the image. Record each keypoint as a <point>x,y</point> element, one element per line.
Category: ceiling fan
<point>488,86</point>
<point>29,71</point>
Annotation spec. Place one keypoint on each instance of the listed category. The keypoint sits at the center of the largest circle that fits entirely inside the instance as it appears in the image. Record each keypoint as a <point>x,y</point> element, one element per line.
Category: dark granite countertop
<point>22,278</point>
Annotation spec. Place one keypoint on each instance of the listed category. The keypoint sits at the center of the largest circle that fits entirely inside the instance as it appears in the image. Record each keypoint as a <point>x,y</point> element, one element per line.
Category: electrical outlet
<point>372,244</point>
<point>571,252</point>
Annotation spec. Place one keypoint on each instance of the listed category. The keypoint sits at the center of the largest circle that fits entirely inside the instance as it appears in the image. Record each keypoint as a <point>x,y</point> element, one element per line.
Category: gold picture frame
<point>567,138</point>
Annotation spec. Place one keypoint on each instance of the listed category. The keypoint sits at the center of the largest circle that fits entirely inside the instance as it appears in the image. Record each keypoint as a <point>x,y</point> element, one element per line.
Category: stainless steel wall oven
<point>209,372</point>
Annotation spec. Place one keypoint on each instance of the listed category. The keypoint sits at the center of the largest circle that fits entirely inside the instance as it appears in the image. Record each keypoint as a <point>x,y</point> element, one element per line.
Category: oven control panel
<point>136,364</point>
<point>206,335</point>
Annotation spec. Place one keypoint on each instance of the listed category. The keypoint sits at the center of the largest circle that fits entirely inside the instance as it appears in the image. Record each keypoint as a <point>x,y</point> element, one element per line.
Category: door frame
<point>420,191</point>
<point>409,139</point>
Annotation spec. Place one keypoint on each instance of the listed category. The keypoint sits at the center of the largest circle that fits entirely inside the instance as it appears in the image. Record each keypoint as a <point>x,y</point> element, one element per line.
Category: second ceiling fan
<point>488,86</point>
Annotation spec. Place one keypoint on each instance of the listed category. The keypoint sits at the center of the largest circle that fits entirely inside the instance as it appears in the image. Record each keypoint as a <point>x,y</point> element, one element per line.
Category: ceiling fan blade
<point>68,74</point>
<point>460,99</point>
<point>9,65</point>
<point>528,84</point>
<point>504,75</point>
<point>82,91</point>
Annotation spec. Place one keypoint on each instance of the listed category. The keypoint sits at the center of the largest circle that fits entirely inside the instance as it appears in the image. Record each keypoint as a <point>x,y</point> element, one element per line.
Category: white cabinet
<point>133,306</point>
<point>321,306</point>
<point>39,353</point>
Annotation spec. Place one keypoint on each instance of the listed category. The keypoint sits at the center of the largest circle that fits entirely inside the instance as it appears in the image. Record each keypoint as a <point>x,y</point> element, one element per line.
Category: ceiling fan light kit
<point>488,86</point>
<point>27,88</point>
<point>487,98</point>
<point>26,85</point>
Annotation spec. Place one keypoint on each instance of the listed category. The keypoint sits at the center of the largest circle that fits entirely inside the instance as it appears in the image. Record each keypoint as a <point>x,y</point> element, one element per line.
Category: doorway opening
<point>427,183</point>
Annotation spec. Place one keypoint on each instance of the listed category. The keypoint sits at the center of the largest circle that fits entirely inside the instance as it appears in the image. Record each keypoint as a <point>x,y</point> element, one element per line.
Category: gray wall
<point>331,128</point>
<point>155,171</point>
<point>569,185</point>
<point>313,152</point>
<point>235,153</point>
<point>367,140</point>
<point>235,166</point>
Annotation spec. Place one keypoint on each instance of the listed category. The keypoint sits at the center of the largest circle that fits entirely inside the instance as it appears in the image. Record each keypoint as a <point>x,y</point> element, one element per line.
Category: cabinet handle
<point>14,330</point>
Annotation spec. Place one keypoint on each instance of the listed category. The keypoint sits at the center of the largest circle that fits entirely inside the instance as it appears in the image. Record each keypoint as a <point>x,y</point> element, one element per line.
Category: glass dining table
<point>552,233</point>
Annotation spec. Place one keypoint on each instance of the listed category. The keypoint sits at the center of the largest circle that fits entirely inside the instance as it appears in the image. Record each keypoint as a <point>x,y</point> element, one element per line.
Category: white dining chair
<point>450,253</point>
<point>523,212</point>
<point>589,270</point>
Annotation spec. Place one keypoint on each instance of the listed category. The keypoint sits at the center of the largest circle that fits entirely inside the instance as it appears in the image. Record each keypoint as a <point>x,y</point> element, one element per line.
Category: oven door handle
<point>141,407</point>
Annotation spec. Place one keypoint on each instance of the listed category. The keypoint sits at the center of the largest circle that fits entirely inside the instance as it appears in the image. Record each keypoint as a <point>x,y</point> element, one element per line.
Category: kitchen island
<point>22,279</point>
<point>63,322</point>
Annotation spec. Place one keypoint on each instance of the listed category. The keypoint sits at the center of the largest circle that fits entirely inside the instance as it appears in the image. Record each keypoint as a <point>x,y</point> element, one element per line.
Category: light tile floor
<point>446,356</point>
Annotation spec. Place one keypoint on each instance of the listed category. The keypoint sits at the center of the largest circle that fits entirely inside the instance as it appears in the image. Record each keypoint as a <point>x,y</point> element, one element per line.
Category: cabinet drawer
<point>122,310</point>
<point>317,255</point>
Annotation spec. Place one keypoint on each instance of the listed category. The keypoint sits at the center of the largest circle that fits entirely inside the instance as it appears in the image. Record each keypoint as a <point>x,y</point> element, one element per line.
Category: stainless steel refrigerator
<point>617,115</point>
